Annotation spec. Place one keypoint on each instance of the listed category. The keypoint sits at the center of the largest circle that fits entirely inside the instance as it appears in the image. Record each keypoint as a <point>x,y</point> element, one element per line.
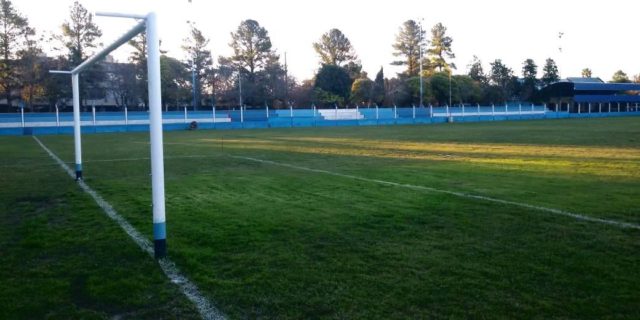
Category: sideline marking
<point>189,289</point>
<point>577,216</point>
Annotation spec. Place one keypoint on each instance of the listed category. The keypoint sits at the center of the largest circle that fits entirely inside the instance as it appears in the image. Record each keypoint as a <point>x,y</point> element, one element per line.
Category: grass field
<point>321,231</point>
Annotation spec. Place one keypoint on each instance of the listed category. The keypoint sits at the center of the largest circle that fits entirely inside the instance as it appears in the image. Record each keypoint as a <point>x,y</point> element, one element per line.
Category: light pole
<point>240,85</point>
<point>449,86</point>
<point>193,81</point>
<point>420,48</point>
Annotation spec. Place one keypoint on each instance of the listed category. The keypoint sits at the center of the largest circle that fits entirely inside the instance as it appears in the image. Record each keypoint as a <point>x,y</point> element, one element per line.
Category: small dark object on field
<point>193,125</point>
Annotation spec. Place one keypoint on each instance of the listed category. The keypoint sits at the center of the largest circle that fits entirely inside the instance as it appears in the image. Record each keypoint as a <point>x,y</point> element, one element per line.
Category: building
<point>590,95</point>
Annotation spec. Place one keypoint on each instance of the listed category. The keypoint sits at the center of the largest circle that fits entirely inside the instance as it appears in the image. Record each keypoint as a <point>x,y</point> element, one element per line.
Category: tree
<point>551,74</point>
<point>139,59</point>
<point>361,91</point>
<point>440,88</point>
<point>529,70</point>
<point>13,34</point>
<point>31,69</point>
<point>173,79</point>
<point>251,47</point>
<point>502,77</point>
<point>334,48</point>
<point>409,40</point>
<point>586,73</point>
<point>200,61</point>
<point>378,93</point>
<point>620,77</point>
<point>469,90</point>
<point>500,74</point>
<point>529,73</point>
<point>332,84</point>
<point>440,48</point>
<point>476,71</point>
<point>399,92</point>
<point>224,83</point>
<point>79,36</point>
<point>121,79</point>
<point>271,82</point>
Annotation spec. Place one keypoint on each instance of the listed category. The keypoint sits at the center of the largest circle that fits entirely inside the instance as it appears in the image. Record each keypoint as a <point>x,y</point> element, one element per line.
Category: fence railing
<point>266,117</point>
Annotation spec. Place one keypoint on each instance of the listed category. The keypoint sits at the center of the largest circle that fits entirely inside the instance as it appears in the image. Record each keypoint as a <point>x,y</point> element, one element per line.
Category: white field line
<point>146,158</point>
<point>189,289</point>
<point>577,216</point>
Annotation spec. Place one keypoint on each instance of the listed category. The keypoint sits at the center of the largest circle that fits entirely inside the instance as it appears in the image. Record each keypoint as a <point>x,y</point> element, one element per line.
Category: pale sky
<point>601,35</point>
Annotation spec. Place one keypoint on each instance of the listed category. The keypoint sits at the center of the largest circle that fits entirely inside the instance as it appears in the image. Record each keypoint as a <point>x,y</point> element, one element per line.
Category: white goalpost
<point>149,23</point>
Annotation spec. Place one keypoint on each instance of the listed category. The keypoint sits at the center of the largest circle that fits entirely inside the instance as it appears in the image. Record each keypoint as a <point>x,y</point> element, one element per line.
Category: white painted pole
<point>155,123</point>
<point>377,115</point>
<point>618,106</point>
<point>126,116</point>
<point>185,114</point>
<point>266,108</point>
<point>291,111</point>
<point>599,107</point>
<point>57,116</point>
<point>589,107</point>
<point>520,108</point>
<point>76,124</point>
<point>430,110</point>
<point>478,109</point>
<point>579,108</point>
<point>336,112</point>
<point>395,112</point>
<point>463,110</point>
<point>627,108</point>
<point>532,108</point>
<point>22,116</point>
<point>357,111</point>
<point>213,114</point>
<point>93,114</point>
<point>448,113</point>
<point>314,111</point>
<point>414,111</point>
<point>609,108</point>
<point>242,114</point>
<point>493,110</point>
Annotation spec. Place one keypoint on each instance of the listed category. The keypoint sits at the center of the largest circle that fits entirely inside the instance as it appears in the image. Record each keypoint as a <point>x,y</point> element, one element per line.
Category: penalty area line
<point>206,309</point>
<point>619,224</point>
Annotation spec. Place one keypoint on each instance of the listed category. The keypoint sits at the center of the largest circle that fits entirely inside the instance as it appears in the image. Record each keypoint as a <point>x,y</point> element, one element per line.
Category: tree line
<point>255,73</point>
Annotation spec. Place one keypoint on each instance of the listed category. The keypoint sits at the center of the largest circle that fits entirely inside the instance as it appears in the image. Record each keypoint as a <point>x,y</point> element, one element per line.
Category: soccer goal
<point>149,23</point>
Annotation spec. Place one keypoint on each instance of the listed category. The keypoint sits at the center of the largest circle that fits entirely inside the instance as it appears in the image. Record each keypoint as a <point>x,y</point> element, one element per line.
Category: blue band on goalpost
<point>159,231</point>
<point>78,171</point>
<point>160,240</point>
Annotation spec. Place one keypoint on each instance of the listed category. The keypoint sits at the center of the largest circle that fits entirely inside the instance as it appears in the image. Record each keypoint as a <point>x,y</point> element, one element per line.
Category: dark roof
<point>584,80</point>
<point>614,87</point>
<point>592,91</point>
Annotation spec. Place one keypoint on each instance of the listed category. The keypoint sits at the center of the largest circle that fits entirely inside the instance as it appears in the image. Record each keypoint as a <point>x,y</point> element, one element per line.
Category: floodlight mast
<point>150,24</point>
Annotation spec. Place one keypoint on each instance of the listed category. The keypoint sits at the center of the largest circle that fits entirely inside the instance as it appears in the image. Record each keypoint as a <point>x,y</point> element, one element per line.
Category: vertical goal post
<point>148,23</point>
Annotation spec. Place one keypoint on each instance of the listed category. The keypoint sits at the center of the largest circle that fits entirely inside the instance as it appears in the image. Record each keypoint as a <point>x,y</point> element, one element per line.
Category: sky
<point>600,35</point>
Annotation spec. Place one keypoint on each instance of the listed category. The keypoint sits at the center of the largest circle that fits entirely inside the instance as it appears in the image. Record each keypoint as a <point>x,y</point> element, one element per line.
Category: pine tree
<point>334,48</point>
<point>440,49</point>
<point>550,73</point>
<point>200,61</point>
<point>251,46</point>
<point>409,40</point>
<point>14,31</point>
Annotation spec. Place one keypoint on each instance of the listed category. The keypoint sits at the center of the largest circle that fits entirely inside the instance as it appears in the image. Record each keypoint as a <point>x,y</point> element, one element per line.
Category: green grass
<point>266,241</point>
